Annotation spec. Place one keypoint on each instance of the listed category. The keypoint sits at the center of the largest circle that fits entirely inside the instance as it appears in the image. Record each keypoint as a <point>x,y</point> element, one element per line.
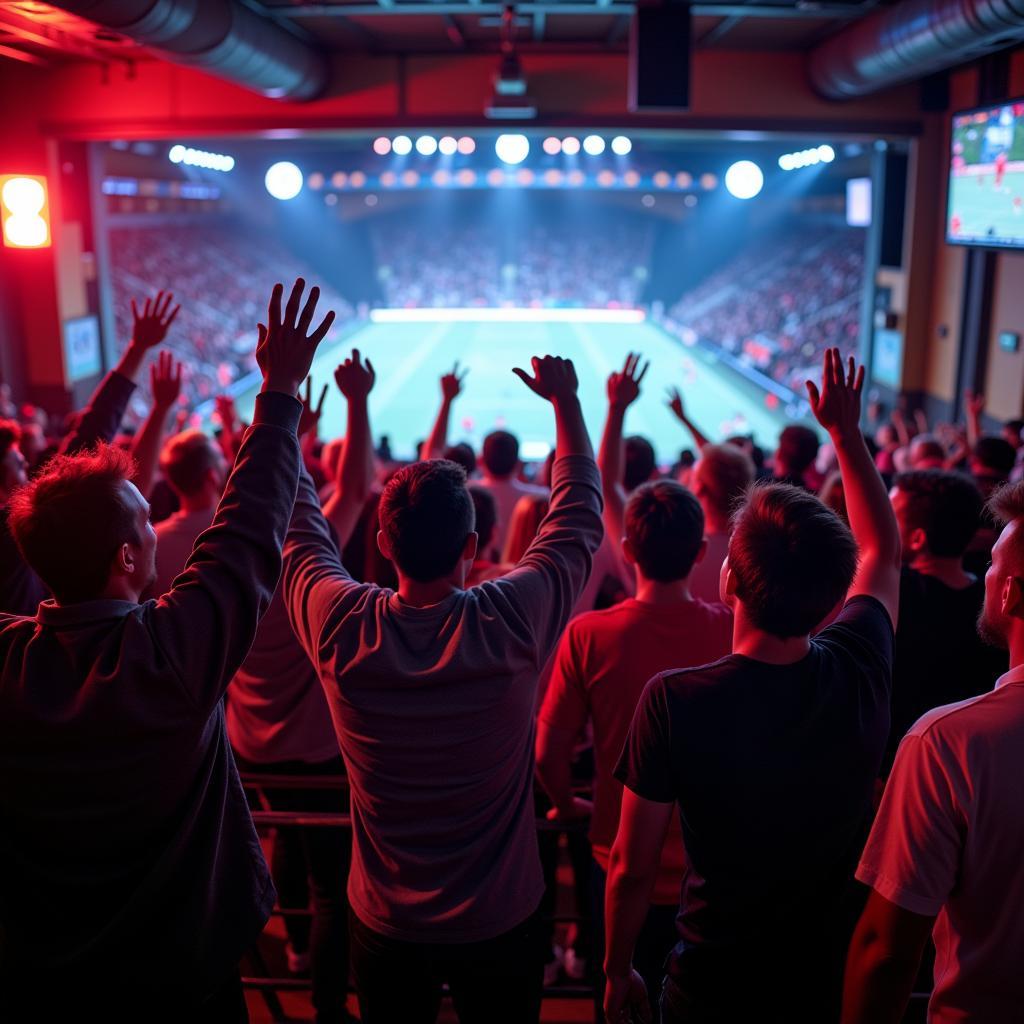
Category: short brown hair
<point>427,515</point>
<point>665,527</point>
<point>729,474</point>
<point>70,520</point>
<point>793,559</point>
<point>185,460</point>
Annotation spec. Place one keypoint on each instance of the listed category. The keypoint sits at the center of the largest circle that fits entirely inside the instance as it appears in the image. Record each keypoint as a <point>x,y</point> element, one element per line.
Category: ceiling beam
<point>576,9</point>
<point>24,56</point>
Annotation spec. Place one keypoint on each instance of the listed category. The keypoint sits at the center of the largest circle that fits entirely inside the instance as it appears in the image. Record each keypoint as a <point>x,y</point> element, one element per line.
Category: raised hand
<point>309,419</point>
<point>150,326</point>
<point>624,385</point>
<point>553,378</point>
<point>837,405</point>
<point>974,402</point>
<point>224,405</point>
<point>165,381</point>
<point>675,403</point>
<point>285,351</point>
<point>451,383</point>
<point>355,377</point>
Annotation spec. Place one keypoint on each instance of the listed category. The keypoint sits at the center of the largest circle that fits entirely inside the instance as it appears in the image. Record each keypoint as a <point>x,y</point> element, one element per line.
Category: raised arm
<point>355,381</point>
<point>974,406</point>
<point>675,403</point>
<point>165,384</point>
<point>623,391</point>
<point>451,388</point>
<point>309,420</point>
<point>836,406</point>
<point>539,595</point>
<point>102,416</point>
<point>206,623</point>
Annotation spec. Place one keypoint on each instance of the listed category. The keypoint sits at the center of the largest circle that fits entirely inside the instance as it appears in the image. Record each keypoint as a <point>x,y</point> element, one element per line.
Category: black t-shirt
<point>773,768</point>
<point>940,659</point>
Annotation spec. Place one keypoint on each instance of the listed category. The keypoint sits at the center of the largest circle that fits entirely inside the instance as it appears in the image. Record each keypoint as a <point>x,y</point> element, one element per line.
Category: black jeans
<point>313,861</point>
<point>653,945</point>
<point>497,981</point>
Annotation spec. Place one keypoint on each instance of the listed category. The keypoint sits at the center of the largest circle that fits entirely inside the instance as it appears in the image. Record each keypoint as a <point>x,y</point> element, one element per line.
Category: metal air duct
<point>912,39</point>
<point>223,37</point>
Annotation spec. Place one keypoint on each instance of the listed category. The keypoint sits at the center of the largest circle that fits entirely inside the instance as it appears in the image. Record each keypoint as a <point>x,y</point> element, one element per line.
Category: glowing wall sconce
<point>24,211</point>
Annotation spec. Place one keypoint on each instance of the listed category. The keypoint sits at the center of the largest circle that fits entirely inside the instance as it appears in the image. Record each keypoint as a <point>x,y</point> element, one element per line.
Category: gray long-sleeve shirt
<point>434,710</point>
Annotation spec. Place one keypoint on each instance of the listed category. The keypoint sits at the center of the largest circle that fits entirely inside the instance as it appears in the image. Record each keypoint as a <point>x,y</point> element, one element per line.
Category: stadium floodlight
<point>621,146</point>
<point>200,158</point>
<point>177,154</point>
<point>426,145</point>
<point>283,180</point>
<point>552,146</point>
<point>570,146</point>
<point>448,146</point>
<point>466,145</point>
<point>512,149</point>
<point>382,146</point>
<point>401,145</point>
<point>744,179</point>
<point>826,153</point>
<point>593,145</point>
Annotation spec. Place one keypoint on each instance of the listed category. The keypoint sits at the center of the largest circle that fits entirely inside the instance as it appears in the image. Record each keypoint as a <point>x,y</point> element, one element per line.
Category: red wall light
<point>24,211</point>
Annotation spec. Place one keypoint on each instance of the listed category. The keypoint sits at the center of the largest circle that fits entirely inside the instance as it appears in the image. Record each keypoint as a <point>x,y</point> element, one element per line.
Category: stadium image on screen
<point>986,180</point>
<point>486,248</point>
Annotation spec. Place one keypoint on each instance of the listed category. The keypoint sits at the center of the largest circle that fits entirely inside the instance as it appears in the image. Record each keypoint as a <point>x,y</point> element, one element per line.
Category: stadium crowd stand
<point>784,300</point>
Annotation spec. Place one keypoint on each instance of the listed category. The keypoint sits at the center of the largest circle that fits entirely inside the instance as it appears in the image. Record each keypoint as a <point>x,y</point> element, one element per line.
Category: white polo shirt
<point>949,842</point>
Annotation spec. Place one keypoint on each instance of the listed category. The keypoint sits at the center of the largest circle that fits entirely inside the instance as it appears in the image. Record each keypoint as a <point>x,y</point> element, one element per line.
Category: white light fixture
<point>283,180</point>
<point>401,145</point>
<point>570,146</point>
<point>621,146</point>
<point>744,179</point>
<point>426,145</point>
<point>512,149</point>
<point>593,145</point>
<point>448,146</point>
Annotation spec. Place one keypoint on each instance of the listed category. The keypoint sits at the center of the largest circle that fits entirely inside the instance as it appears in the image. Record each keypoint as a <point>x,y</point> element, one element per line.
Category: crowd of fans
<point>798,758</point>
<point>603,262</point>
<point>222,269</point>
<point>781,303</point>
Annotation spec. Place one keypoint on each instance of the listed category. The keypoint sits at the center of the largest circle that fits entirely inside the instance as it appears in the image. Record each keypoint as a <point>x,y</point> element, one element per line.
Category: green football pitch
<point>985,211</point>
<point>411,357</point>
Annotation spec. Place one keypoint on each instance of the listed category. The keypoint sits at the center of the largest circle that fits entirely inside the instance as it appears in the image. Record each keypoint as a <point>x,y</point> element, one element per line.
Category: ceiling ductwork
<point>912,39</point>
<point>223,37</point>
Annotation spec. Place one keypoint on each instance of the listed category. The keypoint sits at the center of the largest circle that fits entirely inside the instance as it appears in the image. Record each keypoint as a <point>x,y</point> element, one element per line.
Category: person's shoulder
<point>963,716</point>
<point>682,682</point>
<point>862,616</point>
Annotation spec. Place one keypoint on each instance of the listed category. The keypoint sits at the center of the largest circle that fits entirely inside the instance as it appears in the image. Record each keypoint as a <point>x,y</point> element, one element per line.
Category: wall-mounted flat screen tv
<point>986,177</point>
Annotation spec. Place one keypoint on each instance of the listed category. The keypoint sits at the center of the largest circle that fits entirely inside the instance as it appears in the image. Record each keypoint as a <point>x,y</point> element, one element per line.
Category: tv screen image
<point>986,180</point>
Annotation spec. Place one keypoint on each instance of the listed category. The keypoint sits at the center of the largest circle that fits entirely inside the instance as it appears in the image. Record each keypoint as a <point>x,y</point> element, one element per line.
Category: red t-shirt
<point>603,663</point>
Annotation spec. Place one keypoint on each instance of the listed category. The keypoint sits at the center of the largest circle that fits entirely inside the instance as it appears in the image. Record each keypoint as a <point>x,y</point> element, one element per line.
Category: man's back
<point>128,845</point>
<point>772,767</point>
<point>956,849</point>
<point>434,711</point>
<point>604,662</point>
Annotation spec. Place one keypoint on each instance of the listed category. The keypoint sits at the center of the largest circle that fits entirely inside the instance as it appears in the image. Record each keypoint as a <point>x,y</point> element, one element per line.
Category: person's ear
<point>125,562</point>
<point>1013,597</point>
<point>701,551</point>
<point>628,551</point>
<point>383,546</point>
<point>470,548</point>
<point>918,540</point>
<point>728,586</point>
